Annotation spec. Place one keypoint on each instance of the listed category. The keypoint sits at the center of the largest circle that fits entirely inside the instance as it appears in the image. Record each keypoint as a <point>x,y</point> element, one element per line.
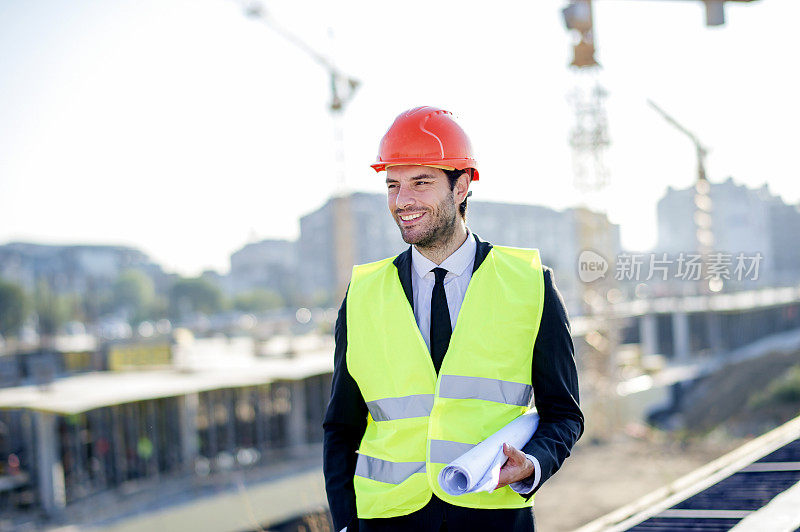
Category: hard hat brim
<point>460,164</point>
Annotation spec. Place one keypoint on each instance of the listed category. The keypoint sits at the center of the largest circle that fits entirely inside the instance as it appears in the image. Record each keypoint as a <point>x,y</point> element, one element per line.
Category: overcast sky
<point>186,129</point>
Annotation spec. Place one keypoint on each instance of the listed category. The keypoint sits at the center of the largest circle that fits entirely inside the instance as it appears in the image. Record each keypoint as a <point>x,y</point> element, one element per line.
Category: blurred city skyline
<point>187,130</point>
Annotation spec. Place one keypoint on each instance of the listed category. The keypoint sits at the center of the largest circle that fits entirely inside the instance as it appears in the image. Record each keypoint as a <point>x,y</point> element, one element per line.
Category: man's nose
<point>405,197</point>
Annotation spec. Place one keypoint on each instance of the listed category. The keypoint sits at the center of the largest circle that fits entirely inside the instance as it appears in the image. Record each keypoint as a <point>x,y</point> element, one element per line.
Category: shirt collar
<point>456,263</point>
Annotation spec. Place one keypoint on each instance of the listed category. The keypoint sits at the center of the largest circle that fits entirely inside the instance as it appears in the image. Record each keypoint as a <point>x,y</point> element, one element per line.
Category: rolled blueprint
<point>479,468</point>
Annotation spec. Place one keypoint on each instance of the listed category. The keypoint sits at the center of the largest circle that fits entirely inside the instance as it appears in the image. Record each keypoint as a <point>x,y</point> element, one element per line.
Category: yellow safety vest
<point>419,422</point>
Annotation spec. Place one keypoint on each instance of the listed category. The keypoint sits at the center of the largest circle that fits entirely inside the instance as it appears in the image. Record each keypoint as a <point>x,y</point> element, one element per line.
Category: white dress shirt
<point>459,272</point>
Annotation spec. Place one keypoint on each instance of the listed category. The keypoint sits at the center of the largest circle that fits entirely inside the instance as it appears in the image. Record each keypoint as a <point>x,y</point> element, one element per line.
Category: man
<point>440,347</point>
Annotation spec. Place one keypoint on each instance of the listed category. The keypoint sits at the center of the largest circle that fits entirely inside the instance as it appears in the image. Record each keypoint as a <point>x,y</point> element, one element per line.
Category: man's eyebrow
<point>416,178</point>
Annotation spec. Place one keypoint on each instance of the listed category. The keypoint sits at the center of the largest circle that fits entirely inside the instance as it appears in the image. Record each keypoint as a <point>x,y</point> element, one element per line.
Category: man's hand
<point>516,468</point>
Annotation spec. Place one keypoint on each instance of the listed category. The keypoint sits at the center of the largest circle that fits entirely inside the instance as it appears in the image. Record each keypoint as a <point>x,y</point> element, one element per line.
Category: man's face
<point>422,204</point>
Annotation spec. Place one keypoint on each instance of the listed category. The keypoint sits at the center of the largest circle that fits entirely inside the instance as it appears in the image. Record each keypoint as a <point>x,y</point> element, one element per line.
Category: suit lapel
<point>481,250</point>
<point>403,264</point>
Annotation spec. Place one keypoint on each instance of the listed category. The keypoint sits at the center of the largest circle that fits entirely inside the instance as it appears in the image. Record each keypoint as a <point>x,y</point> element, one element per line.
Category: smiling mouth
<point>411,217</point>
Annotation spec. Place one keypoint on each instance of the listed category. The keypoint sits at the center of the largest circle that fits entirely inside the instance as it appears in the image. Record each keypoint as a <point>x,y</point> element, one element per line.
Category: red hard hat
<point>426,136</point>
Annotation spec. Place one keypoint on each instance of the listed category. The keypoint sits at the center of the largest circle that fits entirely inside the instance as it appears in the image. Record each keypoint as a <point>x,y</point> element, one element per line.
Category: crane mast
<point>704,235</point>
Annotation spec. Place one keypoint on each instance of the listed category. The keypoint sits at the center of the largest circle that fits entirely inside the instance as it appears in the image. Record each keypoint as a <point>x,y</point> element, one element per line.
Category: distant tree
<point>96,300</point>
<point>194,295</point>
<point>13,308</point>
<point>160,308</point>
<point>257,300</point>
<point>134,293</point>
<point>51,310</point>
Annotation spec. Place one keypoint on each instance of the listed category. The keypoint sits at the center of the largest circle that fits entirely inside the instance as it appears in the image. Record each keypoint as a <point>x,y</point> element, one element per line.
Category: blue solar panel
<point>672,524</point>
<point>742,491</point>
<point>787,453</point>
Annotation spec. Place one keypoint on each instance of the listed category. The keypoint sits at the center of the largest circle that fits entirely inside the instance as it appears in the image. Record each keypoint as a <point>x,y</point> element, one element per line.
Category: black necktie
<point>440,320</point>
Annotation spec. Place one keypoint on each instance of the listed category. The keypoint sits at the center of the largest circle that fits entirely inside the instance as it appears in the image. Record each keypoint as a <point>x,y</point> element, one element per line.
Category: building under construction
<point>157,427</point>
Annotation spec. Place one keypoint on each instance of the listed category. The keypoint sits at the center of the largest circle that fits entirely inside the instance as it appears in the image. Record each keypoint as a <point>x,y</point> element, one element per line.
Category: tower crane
<point>701,150</point>
<point>589,140</point>
<point>343,88</point>
<point>702,188</point>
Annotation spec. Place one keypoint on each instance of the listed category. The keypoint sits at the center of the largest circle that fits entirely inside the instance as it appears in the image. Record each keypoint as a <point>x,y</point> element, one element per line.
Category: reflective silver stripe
<point>444,451</point>
<point>385,471</point>
<point>390,408</point>
<point>510,393</point>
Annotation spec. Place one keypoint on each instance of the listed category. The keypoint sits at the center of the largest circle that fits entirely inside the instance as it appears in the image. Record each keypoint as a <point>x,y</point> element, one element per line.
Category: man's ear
<point>462,187</point>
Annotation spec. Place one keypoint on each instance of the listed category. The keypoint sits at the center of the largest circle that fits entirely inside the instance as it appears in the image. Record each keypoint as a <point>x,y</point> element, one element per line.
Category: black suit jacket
<point>555,388</point>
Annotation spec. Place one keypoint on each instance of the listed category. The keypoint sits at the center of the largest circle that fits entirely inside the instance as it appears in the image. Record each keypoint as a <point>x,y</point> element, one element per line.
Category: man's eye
<point>391,186</point>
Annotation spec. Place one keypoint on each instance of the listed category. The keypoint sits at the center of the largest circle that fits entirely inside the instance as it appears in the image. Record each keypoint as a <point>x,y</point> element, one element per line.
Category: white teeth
<point>410,217</point>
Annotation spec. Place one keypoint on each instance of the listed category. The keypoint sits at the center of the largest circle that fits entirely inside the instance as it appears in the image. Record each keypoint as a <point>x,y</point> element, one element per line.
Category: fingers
<point>508,475</point>
<point>515,467</point>
<point>513,454</point>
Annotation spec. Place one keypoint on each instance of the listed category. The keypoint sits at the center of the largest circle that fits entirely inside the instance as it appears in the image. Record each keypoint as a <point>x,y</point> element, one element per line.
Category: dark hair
<point>452,176</point>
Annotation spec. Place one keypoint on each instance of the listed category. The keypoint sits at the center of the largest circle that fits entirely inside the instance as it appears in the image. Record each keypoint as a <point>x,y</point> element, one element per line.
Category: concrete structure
<point>667,346</point>
<point>685,329</point>
<point>742,220</point>
<point>102,447</point>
